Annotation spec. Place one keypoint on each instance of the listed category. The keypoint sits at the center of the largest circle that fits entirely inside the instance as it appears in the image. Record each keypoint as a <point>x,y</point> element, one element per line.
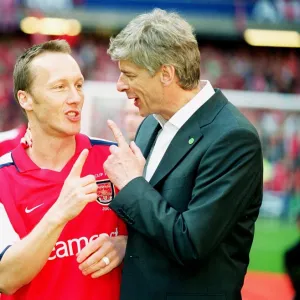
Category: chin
<point>144,113</point>
<point>72,130</point>
<point>76,131</point>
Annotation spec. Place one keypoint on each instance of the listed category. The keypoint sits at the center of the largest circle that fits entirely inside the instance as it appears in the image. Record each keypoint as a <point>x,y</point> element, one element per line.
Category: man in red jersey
<point>54,195</point>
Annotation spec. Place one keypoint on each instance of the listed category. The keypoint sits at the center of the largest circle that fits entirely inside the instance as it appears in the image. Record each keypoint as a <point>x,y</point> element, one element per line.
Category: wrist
<point>125,182</point>
<point>55,218</point>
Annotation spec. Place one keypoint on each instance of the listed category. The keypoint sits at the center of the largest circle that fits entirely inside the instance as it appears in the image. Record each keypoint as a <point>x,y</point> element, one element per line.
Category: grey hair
<point>160,38</point>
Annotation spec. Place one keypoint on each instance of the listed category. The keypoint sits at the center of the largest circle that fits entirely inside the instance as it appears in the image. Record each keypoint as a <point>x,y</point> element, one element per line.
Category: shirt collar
<point>183,114</point>
<point>24,163</point>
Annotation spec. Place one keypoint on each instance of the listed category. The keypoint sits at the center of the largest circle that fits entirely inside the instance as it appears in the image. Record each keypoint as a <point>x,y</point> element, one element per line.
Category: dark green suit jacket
<point>190,229</point>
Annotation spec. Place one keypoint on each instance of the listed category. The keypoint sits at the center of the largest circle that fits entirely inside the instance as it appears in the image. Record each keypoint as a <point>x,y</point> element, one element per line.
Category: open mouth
<point>73,115</point>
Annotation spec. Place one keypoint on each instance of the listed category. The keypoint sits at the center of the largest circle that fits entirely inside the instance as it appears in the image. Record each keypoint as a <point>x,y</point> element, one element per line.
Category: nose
<point>75,96</point>
<point>122,86</point>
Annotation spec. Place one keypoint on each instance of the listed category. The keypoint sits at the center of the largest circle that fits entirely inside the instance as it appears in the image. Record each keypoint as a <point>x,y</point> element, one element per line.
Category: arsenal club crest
<point>106,191</point>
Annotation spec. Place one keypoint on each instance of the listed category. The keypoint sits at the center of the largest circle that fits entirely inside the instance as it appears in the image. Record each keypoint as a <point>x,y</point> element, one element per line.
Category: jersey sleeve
<point>8,236</point>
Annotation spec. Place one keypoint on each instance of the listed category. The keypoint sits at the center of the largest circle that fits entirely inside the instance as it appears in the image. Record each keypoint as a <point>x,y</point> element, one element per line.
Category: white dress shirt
<point>171,127</point>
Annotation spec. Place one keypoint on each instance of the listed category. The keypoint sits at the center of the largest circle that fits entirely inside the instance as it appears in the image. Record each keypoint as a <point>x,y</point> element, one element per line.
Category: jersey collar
<point>24,163</point>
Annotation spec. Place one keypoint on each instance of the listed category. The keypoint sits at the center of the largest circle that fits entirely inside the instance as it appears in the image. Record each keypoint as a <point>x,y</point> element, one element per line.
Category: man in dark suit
<point>191,210</point>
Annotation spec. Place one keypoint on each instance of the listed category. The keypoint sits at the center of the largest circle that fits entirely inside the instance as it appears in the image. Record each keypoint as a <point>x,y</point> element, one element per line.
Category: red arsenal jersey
<point>26,194</point>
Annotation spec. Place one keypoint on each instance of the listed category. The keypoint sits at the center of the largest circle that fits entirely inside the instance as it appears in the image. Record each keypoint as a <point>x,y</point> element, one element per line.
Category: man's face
<point>132,119</point>
<point>56,92</point>
<point>139,85</point>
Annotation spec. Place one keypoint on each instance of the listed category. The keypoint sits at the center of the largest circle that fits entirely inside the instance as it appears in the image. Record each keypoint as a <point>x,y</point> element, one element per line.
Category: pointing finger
<point>137,151</point>
<point>77,168</point>
<point>117,134</point>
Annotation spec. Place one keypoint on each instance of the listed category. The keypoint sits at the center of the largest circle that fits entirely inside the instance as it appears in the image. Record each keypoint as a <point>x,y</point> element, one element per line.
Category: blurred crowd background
<point>228,59</point>
<point>228,65</point>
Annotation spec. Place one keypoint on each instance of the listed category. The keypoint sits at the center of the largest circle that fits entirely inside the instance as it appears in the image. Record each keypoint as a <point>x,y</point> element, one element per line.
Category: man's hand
<point>76,193</point>
<point>112,249</point>
<point>125,162</point>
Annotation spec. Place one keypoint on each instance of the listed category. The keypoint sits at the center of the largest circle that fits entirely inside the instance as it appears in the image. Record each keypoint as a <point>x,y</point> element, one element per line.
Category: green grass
<point>271,239</point>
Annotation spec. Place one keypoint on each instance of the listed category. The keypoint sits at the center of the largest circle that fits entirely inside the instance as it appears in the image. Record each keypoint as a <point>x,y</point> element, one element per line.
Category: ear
<point>167,74</point>
<point>25,100</point>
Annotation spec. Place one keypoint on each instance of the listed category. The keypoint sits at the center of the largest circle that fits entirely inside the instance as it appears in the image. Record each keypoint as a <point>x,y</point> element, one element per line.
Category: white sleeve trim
<point>99,139</point>
<point>8,236</point>
<point>6,159</point>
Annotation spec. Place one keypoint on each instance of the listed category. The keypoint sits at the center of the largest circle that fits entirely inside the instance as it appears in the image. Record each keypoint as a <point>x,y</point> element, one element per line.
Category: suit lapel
<point>183,142</point>
<point>146,140</point>
<point>188,136</point>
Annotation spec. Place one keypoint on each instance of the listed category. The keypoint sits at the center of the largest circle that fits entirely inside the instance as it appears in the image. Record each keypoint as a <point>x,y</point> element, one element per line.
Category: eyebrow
<point>65,79</point>
<point>126,72</point>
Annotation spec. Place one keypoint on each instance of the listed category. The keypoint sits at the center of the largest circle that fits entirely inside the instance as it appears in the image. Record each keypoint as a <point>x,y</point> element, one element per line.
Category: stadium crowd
<point>226,67</point>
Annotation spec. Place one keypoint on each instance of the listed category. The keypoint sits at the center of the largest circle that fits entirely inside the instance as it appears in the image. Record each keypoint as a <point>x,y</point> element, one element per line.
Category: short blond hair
<point>22,75</point>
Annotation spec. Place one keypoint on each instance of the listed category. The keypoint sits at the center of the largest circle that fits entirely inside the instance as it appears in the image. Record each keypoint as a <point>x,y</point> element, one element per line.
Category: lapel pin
<point>191,141</point>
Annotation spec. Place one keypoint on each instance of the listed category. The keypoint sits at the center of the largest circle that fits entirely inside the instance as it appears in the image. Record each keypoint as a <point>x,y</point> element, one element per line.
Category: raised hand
<point>76,193</point>
<point>126,162</point>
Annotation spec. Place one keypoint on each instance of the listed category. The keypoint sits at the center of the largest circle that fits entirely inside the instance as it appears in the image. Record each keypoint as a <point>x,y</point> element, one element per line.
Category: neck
<point>50,152</point>
<point>177,99</point>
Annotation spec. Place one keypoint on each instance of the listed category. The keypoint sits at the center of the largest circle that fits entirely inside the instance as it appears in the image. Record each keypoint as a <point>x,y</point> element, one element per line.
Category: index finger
<point>78,165</point>
<point>117,133</point>
<point>91,248</point>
